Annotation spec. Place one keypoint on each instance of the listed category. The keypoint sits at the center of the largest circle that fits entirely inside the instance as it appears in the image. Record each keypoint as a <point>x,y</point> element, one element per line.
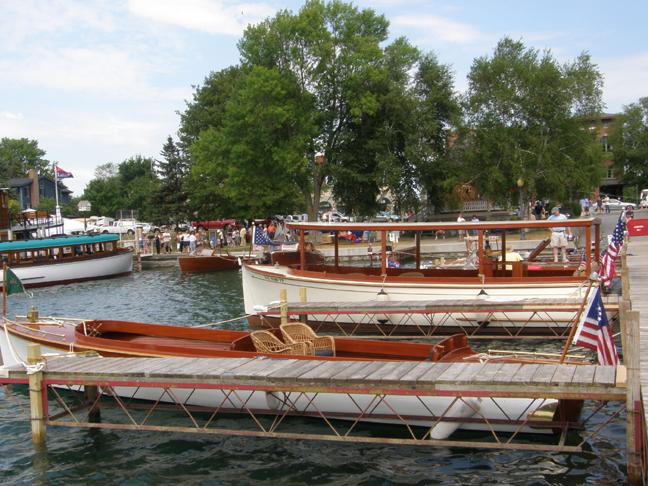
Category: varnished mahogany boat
<point>209,263</point>
<point>118,338</point>
<point>487,271</point>
<point>59,260</point>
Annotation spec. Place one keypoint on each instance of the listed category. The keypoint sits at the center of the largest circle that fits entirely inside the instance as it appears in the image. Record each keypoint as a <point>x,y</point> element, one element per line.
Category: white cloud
<point>626,80</point>
<point>438,28</point>
<point>211,16</point>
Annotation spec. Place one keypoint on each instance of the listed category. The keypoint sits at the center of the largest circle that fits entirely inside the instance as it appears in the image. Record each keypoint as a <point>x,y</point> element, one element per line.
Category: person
<point>270,230</point>
<point>471,235</point>
<point>606,204</point>
<point>599,205</point>
<point>243,233</point>
<point>166,241</point>
<point>158,243</point>
<point>392,261</point>
<point>538,210</point>
<point>394,236</point>
<point>192,243</point>
<point>628,214</point>
<point>460,219</point>
<point>558,237</point>
<point>511,256</point>
<point>585,207</point>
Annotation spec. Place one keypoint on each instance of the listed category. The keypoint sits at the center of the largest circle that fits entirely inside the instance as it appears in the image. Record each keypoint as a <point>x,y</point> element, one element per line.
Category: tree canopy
<point>17,156</point>
<point>318,81</point>
<point>130,184</point>
<point>629,141</point>
<point>525,125</point>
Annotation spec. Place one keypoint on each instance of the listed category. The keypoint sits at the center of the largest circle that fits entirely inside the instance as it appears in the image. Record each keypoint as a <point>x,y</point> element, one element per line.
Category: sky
<point>98,81</point>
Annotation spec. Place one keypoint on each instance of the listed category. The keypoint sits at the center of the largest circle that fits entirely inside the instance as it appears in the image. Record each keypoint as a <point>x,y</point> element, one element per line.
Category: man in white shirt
<point>558,235</point>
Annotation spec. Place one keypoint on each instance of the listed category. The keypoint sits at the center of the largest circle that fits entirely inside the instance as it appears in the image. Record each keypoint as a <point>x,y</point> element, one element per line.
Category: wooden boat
<point>486,272</point>
<point>131,339</point>
<point>60,260</point>
<point>208,263</point>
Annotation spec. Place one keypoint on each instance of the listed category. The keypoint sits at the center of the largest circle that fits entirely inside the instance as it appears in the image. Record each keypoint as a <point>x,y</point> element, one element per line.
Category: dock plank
<point>525,373</point>
<point>564,374</point>
<point>487,373</point>
<point>506,372</point>
<point>584,375</point>
<point>544,374</point>
<point>605,375</point>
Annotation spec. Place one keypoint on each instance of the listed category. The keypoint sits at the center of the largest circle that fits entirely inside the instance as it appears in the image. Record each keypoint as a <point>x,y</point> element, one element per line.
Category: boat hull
<point>467,413</point>
<point>262,285</point>
<point>208,263</point>
<point>75,271</point>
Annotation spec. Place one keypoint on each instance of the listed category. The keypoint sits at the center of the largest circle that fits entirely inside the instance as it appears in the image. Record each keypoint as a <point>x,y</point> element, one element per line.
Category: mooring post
<point>302,298</point>
<point>635,435</point>
<point>91,392</point>
<point>36,399</point>
<point>283,301</point>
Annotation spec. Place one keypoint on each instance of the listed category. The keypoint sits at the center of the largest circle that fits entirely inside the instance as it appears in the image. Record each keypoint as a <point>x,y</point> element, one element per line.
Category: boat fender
<point>464,408</point>
<point>276,400</point>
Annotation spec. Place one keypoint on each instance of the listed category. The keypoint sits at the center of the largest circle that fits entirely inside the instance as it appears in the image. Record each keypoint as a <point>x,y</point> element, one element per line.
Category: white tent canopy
<point>72,226</point>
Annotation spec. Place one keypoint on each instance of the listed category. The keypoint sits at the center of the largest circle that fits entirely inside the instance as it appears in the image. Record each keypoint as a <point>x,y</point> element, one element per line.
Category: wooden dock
<point>382,383</point>
<point>635,314</point>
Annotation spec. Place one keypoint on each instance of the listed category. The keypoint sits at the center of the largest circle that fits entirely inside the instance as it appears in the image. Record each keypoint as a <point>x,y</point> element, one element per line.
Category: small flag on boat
<point>607,263</point>
<point>62,174</point>
<point>261,238</point>
<point>12,283</point>
<point>594,331</point>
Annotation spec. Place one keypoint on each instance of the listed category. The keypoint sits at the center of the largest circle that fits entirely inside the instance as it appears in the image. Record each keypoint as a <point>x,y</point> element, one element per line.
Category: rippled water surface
<point>134,458</point>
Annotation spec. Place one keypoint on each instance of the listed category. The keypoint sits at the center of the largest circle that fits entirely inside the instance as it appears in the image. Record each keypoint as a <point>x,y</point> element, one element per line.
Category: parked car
<point>617,204</point>
<point>334,217</point>
<point>384,216</point>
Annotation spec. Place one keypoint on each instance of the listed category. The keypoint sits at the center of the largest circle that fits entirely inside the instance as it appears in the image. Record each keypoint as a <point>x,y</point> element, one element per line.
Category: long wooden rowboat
<point>443,414</point>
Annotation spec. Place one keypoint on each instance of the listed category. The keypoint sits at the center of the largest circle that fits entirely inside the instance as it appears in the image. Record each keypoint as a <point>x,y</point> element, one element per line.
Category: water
<point>135,458</point>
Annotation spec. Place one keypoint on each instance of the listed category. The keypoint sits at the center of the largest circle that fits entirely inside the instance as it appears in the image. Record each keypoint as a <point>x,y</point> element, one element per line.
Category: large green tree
<point>323,80</point>
<point>17,156</point>
<point>525,132</point>
<point>629,142</point>
<point>171,199</point>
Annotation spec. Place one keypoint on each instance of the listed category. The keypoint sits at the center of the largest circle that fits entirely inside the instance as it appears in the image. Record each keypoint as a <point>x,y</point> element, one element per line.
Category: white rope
<point>235,318</point>
<point>30,369</point>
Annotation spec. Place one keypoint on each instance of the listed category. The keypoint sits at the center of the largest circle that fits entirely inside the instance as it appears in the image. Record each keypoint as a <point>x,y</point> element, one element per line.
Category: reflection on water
<point>133,458</point>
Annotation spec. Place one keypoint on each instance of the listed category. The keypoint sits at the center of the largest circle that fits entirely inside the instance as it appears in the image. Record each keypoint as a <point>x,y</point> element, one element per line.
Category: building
<point>612,183</point>
<point>29,191</point>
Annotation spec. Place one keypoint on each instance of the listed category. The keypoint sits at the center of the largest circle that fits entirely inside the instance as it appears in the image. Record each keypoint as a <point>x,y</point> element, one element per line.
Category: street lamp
<point>84,207</point>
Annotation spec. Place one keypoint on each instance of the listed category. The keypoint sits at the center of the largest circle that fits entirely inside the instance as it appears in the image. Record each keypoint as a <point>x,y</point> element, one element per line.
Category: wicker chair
<point>266,342</point>
<point>301,333</point>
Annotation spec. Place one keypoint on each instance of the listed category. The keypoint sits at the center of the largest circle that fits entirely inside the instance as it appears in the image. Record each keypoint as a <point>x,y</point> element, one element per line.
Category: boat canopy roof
<point>56,242</point>
<point>444,225</point>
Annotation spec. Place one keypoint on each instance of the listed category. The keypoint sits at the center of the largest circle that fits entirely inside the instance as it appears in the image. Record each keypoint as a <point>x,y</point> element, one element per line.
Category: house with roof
<point>29,190</point>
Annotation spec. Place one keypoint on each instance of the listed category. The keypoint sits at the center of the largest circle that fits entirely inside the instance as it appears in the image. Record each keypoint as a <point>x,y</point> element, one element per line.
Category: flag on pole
<point>12,283</point>
<point>261,238</point>
<point>594,331</point>
<point>62,174</point>
<point>607,263</point>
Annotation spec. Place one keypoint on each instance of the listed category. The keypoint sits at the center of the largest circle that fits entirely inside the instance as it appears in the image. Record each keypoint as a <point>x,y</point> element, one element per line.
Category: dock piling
<point>36,390</point>
<point>302,298</point>
<point>91,395</point>
<point>635,430</point>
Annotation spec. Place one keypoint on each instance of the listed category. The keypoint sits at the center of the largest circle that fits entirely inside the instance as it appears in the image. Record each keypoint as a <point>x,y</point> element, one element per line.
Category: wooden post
<point>635,435</point>
<point>587,248</point>
<point>336,249</point>
<point>625,276</point>
<point>417,239</point>
<point>624,308</point>
<point>283,299</point>
<point>302,298</point>
<point>90,393</point>
<point>302,250</point>
<point>36,399</point>
<point>383,253</point>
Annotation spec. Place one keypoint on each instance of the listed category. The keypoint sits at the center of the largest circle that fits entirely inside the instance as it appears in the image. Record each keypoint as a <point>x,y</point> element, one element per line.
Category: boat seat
<point>301,333</point>
<point>266,342</point>
<point>411,274</point>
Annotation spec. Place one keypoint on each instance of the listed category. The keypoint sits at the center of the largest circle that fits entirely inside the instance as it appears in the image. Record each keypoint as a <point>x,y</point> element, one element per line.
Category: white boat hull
<point>421,411</point>
<point>74,271</point>
<point>262,284</point>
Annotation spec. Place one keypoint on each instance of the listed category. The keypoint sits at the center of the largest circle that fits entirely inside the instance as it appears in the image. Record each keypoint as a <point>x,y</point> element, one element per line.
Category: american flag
<point>594,331</point>
<point>607,263</point>
<point>261,238</point>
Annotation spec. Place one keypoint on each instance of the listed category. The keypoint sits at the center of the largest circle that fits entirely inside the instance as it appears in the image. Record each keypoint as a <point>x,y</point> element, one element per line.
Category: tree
<point>524,126</point>
<point>17,156</point>
<point>629,142</point>
<point>316,81</point>
<point>129,185</point>
<point>171,199</point>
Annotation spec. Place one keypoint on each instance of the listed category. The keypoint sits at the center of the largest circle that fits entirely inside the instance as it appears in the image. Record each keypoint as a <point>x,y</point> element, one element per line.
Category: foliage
<point>128,185</point>
<point>629,141</point>
<point>319,80</point>
<point>170,200</point>
<point>17,156</point>
<point>524,125</point>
